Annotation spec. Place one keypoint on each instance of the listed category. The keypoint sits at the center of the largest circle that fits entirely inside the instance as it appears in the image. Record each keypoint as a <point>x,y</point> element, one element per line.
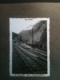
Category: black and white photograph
<point>29,40</point>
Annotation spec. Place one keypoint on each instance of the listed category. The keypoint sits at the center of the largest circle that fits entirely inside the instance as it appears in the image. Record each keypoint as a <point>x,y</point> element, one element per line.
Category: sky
<point>19,24</point>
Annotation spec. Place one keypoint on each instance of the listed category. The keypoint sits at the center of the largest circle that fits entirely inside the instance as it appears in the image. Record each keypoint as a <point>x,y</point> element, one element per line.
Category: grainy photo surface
<point>29,47</point>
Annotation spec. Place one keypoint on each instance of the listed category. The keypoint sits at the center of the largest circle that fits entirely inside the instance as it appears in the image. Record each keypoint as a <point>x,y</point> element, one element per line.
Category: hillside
<point>39,33</point>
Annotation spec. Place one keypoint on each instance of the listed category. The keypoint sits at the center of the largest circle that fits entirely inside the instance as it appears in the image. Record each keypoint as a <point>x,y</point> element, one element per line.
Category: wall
<point>51,10</point>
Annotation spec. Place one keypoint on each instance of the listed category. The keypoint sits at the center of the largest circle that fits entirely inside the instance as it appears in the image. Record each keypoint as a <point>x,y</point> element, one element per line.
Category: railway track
<point>41,59</point>
<point>38,50</point>
<point>42,55</point>
<point>32,62</point>
<point>19,64</point>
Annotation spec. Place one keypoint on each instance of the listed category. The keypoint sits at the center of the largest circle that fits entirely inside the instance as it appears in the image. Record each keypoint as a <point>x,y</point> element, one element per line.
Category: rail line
<point>23,58</point>
<point>25,45</point>
<point>30,61</point>
<point>35,50</point>
<point>34,57</point>
<point>39,54</point>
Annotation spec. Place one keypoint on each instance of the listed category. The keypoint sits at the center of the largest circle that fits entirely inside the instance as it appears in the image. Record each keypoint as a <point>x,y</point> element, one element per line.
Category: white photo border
<point>48,52</point>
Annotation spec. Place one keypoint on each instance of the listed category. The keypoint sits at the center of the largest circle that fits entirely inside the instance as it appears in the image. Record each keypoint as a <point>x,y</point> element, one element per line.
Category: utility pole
<point>30,28</point>
<point>32,37</point>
